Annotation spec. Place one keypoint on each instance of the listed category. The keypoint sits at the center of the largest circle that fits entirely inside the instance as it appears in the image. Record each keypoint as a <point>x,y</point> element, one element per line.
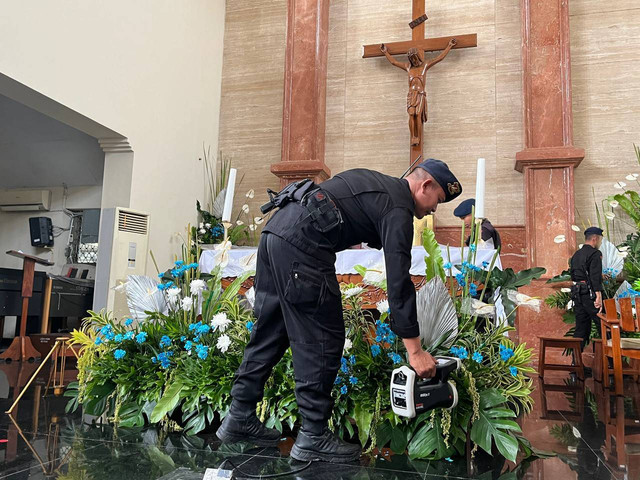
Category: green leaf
<point>97,399</point>
<point>429,442</point>
<point>492,427</point>
<point>167,403</point>
<point>131,415</point>
<point>399,440</point>
<point>384,434</point>
<point>363,417</point>
<point>196,423</point>
<point>434,262</point>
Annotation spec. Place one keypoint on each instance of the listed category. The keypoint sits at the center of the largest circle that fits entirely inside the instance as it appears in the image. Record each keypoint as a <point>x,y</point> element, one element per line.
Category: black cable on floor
<point>272,475</point>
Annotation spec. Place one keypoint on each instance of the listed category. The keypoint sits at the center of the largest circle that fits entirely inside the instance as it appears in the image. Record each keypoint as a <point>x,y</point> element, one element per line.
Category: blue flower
<point>110,336</point>
<point>183,338</point>
<point>250,325</point>
<point>343,361</point>
<point>154,359</point>
<point>141,337</point>
<point>105,330</point>
<point>98,341</point>
<point>128,322</point>
<point>353,380</point>
<point>477,357</point>
<point>161,275</point>
<point>338,381</point>
<point>460,279</point>
<point>202,351</point>
<point>485,264</point>
<point>163,358</point>
<point>375,350</point>
<point>447,266</point>
<point>118,354</point>
<point>352,359</point>
<point>344,369</point>
<point>449,459</point>
<point>473,289</point>
<point>129,335</point>
<point>344,389</point>
<point>193,326</point>
<point>473,247</point>
<point>165,341</point>
<point>514,371</point>
<point>188,345</point>
<point>203,329</point>
<point>459,352</point>
<point>505,353</point>
<point>118,338</point>
<point>395,357</point>
<point>179,263</point>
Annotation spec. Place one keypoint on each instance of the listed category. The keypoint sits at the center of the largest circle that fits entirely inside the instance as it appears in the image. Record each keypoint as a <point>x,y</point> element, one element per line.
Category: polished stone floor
<point>593,434</point>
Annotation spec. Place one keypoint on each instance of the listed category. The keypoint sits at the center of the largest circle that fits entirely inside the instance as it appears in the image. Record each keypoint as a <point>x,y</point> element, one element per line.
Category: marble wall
<point>605,51</point>
<point>474,95</point>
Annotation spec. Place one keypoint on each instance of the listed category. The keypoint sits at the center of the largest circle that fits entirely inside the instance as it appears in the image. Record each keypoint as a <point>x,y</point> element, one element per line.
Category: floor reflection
<point>591,433</point>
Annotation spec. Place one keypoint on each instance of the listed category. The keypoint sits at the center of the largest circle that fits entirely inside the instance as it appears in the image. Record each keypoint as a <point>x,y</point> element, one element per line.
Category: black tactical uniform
<point>586,273</point>
<point>298,300</point>
<point>487,232</point>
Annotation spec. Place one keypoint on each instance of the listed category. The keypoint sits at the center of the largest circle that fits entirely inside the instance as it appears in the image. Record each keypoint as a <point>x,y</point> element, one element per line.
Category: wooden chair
<point>566,343</point>
<point>613,345</point>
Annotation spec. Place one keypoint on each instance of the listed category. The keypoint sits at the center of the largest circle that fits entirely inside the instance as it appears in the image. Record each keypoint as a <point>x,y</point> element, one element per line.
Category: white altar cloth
<point>242,259</point>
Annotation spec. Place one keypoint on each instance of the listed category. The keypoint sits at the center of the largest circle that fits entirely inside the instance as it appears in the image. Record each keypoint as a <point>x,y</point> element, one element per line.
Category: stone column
<point>305,81</point>
<point>548,160</point>
<point>549,157</point>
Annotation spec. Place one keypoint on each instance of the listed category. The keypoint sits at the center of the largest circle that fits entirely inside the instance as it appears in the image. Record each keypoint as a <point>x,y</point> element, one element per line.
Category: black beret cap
<point>593,231</point>
<point>464,208</point>
<point>441,174</point>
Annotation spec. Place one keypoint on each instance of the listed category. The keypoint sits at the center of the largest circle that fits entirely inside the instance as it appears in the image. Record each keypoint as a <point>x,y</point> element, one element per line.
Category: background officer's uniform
<point>487,231</point>
<point>586,272</point>
<point>298,300</point>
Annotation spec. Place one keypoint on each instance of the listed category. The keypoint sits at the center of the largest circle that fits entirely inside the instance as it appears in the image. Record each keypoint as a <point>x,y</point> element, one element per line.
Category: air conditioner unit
<point>123,246</point>
<point>25,200</point>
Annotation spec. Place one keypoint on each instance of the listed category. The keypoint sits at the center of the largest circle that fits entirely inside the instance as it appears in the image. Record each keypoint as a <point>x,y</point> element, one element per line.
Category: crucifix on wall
<point>417,67</point>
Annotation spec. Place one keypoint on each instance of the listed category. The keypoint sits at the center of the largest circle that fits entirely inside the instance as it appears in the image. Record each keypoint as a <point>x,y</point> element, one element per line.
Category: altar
<point>243,259</point>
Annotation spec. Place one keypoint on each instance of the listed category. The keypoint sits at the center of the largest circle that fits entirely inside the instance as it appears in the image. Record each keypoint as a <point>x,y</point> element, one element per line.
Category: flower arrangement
<point>174,367</point>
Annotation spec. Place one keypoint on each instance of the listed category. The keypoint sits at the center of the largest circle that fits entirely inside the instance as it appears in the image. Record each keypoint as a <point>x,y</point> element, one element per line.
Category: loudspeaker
<point>41,230</point>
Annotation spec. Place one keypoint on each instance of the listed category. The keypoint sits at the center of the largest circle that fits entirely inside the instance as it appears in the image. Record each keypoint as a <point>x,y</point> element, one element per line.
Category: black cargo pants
<point>585,312</point>
<point>298,304</point>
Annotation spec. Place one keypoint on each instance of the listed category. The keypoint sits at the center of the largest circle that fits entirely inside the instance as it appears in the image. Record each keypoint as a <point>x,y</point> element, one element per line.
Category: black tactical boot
<point>237,427</point>
<point>326,447</point>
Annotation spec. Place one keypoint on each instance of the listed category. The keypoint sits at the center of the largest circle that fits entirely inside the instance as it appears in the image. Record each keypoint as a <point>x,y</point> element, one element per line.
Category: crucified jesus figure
<point>417,96</point>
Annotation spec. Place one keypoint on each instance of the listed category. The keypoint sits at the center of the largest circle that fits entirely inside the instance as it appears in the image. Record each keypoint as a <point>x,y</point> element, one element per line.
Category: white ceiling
<point>38,151</point>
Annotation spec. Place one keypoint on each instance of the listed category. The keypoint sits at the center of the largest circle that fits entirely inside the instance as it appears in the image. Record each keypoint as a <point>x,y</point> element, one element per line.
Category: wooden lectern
<point>21,348</point>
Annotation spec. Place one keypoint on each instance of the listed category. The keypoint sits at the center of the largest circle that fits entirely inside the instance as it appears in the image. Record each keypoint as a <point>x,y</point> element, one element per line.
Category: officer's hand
<point>598,301</point>
<point>423,363</point>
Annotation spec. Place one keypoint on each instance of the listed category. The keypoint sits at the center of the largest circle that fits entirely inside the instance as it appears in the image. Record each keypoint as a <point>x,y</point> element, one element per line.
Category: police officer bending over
<point>298,300</point>
<point>586,273</point>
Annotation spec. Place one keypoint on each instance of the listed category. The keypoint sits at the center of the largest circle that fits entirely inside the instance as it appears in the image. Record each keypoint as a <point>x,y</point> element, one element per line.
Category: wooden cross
<point>416,101</point>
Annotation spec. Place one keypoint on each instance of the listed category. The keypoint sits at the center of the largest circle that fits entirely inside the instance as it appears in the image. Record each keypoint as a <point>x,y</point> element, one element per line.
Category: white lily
<point>614,203</point>
<point>575,228</point>
<point>250,194</point>
<point>559,239</point>
<point>350,292</point>
<point>347,345</point>
<point>619,185</point>
<point>383,306</point>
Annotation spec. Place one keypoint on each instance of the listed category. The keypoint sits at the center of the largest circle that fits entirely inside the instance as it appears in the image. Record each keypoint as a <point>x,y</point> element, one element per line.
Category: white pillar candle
<point>480,189</point>
<point>228,199</point>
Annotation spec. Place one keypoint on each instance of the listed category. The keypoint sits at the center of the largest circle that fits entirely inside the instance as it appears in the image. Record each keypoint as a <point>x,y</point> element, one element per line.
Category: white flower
<point>619,185</point>
<point>223,343</point>
<point>347,345</point>
<point>207,225</point>
<point>565,290</point>
<point>258,220</point>
<point>559,239</point>
<point>197,286</point>
<point>569,305</point>
<point>253,227</point>
<point>239,222</point>
<point>203,231</point>
<point>575,228</point>
<point>624,248</point>
<point>245,208</point>
<point>201,225</point>
<point>631,177</point>
<point>250,193</point>
<point>581,245</point>
<point>613,204</point>
<point>187,304</point>
<point>350,292</point>
<point>610,215</point>
<point>383,306</point>
<point>623,254</point>
<point>220,321</point>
